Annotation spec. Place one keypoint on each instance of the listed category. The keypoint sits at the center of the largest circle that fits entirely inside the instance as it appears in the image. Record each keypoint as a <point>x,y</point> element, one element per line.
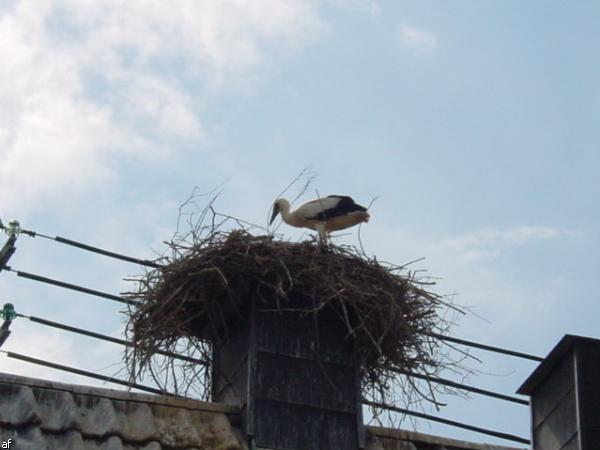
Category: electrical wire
<point>85,373</point>
<point>104,337</point>
<point>489,348</point>
<point>460,386</point>
<point>16,229</point>
<point>454,423</point>
<point>70,286</point>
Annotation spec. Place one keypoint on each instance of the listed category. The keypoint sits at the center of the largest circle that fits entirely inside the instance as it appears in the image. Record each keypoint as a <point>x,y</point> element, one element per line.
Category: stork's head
<point>280,205</point>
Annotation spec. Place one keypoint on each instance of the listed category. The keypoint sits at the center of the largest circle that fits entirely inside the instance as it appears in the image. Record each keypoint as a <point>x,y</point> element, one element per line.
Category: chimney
<point>565,396</point>
<point>295,378</point>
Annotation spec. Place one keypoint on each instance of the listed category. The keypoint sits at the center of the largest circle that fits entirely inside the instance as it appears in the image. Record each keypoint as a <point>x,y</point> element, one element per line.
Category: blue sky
<point>476,124</point>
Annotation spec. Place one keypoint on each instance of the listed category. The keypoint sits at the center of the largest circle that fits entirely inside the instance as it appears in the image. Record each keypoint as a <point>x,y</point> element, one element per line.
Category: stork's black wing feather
<point>344,206</point>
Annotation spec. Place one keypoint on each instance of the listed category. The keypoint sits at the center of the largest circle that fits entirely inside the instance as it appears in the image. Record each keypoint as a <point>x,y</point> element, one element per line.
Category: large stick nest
<point>205,286</point>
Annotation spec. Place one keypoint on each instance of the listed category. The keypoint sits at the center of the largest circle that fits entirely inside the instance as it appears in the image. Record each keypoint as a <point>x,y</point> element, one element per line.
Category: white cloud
<point>371,7</point>
<point>84,84</point>
<point>89,88</point>
<point>148,100</point>
<point>227,37</point>
<point>417,40</point>
<point>491,242</point>
<point>458,260</point>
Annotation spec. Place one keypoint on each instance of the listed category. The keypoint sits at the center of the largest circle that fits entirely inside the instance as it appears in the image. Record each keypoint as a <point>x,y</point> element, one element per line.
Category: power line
<point>104,337</point>
<point>460,386</point>
<point>85,373</point>
<point>85,290</point>
<point>70,286</point>
<point>123,342</point>
<point>142,387</point>
<point>89,248</point>
<point>486,347</point>
<point>15,228</point>
<point>498,434</point>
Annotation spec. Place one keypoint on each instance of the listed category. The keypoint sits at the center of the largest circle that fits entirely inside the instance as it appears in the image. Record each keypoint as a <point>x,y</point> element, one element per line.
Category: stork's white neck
<point>288,217</point>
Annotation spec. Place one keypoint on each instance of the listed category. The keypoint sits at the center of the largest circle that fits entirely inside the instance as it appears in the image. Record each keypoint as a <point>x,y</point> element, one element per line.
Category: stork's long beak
<point>275,212</point>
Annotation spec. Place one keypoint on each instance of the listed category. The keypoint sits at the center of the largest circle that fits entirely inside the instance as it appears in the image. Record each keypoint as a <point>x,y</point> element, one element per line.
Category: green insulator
<point>8,312</point>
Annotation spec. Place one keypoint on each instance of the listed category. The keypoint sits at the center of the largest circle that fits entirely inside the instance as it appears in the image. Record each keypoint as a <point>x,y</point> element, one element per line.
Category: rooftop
<point>554,357</point>
<point>45,415</point>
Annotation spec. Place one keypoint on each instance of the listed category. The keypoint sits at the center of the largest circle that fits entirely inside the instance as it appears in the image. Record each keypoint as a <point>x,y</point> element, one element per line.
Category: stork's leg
<point>320,227</point>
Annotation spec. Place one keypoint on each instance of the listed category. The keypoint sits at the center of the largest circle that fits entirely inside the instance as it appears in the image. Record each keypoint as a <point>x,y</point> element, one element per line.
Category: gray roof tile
<point>17,405</point>
<point>42,415</point>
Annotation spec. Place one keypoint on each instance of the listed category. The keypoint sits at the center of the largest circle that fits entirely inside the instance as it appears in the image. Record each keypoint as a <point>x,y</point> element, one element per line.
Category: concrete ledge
<point>421,438</point>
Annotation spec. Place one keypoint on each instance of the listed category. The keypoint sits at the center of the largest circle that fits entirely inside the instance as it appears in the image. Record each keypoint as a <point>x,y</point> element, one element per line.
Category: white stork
<point>335,212</point>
